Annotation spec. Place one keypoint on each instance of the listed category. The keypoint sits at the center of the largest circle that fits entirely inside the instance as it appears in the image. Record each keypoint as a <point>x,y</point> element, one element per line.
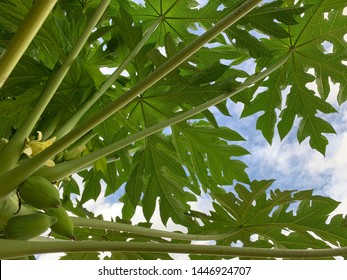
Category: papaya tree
<point>145,132</point>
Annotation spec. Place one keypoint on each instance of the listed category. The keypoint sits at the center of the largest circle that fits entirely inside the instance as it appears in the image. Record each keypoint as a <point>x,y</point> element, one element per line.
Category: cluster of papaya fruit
<point>44,196</point>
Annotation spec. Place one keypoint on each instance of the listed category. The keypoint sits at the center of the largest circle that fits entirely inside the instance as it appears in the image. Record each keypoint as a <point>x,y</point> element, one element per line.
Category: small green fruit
<point>40,193</point>
<point>64,225</point>
<point>28,226</point>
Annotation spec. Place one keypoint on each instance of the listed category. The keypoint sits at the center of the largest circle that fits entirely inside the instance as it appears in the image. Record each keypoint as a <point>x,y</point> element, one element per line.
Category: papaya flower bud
<point>33,147</point>
<point>74,153</point>
<point>3,142</point>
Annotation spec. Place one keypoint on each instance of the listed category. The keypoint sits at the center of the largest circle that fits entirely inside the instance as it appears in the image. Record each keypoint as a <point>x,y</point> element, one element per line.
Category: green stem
<point>83,140</point>
<point>67,168</point>
<point>23,37</point>
<point>19,248</point>
<point>71,123</point>
<point>15,176</point>
<point>53,171</point>
<point>11,153</point>
<point>95,223</point>
<point>52,125</point>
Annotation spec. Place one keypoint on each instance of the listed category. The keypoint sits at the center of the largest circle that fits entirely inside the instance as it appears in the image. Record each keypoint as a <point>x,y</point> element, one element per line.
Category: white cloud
<point>202,204</point>
<point>49,257</point>
<point>335,166</point>
<point>297,166</point>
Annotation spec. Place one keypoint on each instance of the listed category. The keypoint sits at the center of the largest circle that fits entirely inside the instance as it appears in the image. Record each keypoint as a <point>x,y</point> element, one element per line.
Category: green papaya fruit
<point>64,225</point>
<point>39,192</point>
<point>28,226</point>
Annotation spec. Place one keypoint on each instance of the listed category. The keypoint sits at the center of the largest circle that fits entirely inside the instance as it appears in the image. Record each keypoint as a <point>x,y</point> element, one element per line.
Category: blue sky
<point>294,165</point>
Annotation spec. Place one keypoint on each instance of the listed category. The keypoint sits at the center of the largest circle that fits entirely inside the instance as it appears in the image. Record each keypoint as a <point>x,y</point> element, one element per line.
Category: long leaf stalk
<point>115,226</point>
<point>71,123</point>
<point>24,36</point>
<point>52,125</point>
<point>83,140</point>
<point>19,248</point>
<point>65,169</point>
<point>15,176</point>
<point>111,158</point>
<point>12,151</point>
